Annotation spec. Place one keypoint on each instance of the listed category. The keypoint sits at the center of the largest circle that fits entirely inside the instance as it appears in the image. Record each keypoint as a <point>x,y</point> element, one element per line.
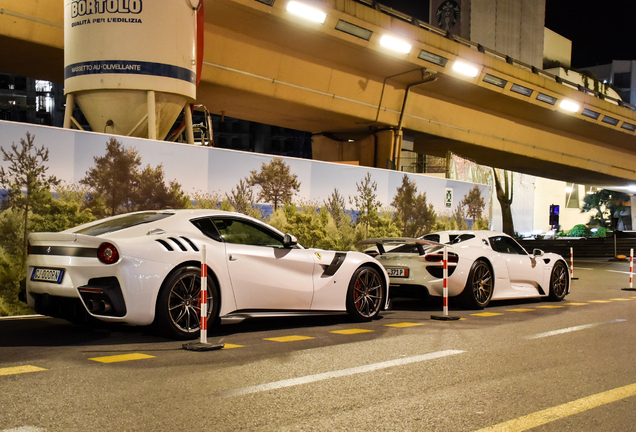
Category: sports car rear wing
<point>379,242</point>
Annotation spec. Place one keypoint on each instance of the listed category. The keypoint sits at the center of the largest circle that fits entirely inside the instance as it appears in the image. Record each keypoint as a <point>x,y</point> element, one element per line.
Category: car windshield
<point>115,224</point>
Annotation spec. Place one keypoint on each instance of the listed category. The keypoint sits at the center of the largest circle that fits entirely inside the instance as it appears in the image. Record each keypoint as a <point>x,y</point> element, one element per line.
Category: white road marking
<point>24,429</point>
<point>616,271</point>
<point>336,374</point>
<point>572,329</point>
<point>20,317</point>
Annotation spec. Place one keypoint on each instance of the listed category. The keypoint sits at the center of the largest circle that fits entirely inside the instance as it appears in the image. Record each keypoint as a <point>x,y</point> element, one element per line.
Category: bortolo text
<point>90,7</point>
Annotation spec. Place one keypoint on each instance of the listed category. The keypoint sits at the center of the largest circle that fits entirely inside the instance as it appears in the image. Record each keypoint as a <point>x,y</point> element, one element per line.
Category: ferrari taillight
<point>107,253</point>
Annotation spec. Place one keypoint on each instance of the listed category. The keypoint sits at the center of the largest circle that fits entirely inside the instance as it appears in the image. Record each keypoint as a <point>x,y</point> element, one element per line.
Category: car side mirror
<point>289,241</point>
<point>537,253</point>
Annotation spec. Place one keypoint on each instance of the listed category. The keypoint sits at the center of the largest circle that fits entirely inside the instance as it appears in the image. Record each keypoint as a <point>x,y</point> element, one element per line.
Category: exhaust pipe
<point>104,307</point>
<point>90,305</point>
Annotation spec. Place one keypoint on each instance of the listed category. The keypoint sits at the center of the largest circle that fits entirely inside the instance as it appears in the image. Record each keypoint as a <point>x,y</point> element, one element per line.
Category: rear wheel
<point>558,282</point>
<point>178,311</point>
<point>366,294</point>
<point>479,286</point>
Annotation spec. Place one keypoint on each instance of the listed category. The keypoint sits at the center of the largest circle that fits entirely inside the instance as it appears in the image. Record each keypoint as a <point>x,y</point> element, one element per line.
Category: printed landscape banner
<point>217,171</point>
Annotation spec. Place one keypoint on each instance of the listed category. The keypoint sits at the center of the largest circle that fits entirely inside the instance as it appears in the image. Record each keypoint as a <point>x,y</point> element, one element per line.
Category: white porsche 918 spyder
<point>482,266</point>
<point>145,267</point>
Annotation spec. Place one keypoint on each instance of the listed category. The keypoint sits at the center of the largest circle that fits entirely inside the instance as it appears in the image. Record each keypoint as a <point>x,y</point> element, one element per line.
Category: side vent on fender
<point>165,244</point>
<point>178,243</point>
<point>336,262</point>
<point>546,260</point>
<point>192,245</point>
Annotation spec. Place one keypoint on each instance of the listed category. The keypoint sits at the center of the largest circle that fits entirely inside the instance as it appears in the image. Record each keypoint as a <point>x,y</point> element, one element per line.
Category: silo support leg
<point>152,116</point>
<point>187,111</point>
<point>68,111</point>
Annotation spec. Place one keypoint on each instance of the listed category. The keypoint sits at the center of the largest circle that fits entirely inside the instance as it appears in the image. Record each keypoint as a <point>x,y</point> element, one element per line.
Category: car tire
<point>559,282</point>
<point>366,294</point>
<point>178,313</point>
<point>479,286</point>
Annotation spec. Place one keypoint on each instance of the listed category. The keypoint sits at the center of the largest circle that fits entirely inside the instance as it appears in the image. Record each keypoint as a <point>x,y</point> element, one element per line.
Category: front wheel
<point>479,286</point>
<point>365,294</point>
<point>178,311</point>
<point>558,282</point>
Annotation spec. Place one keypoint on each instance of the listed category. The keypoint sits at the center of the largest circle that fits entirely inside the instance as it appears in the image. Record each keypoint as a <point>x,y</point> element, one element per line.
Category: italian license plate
<point>47,275</point>
<point>398,272</point>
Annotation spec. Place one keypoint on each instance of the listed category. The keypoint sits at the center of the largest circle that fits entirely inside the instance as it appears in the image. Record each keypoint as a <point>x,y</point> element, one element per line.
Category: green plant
<point>579,231</point>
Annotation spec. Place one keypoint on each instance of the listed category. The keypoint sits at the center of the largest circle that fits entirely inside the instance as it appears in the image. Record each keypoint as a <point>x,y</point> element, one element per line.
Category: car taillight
<point>107,253</point>
<point>439,257</point>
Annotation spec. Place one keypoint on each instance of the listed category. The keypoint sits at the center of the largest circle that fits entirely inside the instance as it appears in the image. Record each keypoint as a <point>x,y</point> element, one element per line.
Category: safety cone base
<point>200,346</point>
<point>444,317</point>
<point>628,289</point>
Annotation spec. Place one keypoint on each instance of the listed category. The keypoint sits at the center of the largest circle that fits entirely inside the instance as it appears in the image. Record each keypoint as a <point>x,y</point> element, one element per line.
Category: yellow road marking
<point>561,411</point>
<point>486,314</point>
<point>350,331</point>
<point>121,358</point>
<point>229,346</point>
<point>404,324</point>
<point>621,299</point>
<point>600,301</point>
<point>19,370</point>
<point>289,338</point>
<point>519,310</point>
<point>550,307</point>
<point>574,304</point>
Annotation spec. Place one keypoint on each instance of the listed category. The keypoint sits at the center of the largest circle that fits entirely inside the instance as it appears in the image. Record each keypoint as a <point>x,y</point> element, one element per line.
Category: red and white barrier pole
<point>203,344</point>
<point>204,297</point>
<point>445,276</point>
<point>445,316</point>
<point>571,263</point>
<point>631,268</point>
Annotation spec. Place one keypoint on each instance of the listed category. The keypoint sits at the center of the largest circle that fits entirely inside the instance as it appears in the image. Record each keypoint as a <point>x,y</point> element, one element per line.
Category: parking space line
<point>550,307</point>
<point>572,329</point>
<point>621,299</point>
<point>289,338</point>
<point>486,314</point>
<point>562,411</point>
<point>351,331</point>
<point>230,346</point>
<point>336,374</point>
<point>404,324</point>
<point>599,301</point>
<point>121,358</point>
<point>20,370</point>
<point>520,310</point>
<point>574,304</point>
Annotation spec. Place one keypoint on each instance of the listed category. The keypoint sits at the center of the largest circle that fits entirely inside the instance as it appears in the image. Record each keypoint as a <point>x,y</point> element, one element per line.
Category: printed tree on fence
<point>474,203</point>
<point>416,216</point>
<point>278,185</point>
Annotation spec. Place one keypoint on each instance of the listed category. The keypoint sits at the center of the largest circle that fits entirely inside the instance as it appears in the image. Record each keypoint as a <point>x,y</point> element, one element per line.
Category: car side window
<point>506,245</point>
<point>243,232</point>
<point>206,226</point>
<point>432,237</point>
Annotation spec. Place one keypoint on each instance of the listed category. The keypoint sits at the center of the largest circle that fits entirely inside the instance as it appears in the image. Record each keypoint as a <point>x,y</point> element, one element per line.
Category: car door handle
<point>232,258</point>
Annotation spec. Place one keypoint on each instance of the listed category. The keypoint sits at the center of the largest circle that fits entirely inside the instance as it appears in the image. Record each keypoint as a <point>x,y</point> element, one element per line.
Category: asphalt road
<point>530,365</point>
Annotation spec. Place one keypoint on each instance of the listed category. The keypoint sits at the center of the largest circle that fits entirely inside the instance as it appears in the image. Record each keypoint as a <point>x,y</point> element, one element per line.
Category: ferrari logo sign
<point>449,198</point>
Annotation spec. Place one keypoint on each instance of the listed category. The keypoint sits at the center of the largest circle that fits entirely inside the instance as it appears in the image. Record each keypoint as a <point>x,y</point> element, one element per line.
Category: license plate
<point>47,275</point>
<point>398,272</point>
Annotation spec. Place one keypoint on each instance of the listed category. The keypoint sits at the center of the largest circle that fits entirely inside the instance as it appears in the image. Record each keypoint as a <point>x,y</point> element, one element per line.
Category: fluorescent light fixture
<point>521,90</point>
<point>610,120</point>
<point>630,127</point>
<point>570,106</point>
<point>432,58</point>
<point>546,98</point>
<point>491,79</point>
<point>306,12</point>
<point>465,69</point>
<point>354,30</point>
<point>267,2</point>
<point>591,114</point>
<point>395,44</point>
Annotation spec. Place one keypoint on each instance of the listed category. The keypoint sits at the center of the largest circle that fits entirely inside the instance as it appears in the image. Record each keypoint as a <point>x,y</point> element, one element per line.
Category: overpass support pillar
<point>388,147</point>
<point>329,148</point>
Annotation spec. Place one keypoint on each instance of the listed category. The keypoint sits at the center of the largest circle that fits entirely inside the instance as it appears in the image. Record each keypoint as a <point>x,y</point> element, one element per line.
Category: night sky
<point>600,31</point>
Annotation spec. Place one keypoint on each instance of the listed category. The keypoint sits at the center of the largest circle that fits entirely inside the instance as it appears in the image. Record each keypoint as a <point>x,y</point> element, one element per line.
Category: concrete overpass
<point>264,64</point>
